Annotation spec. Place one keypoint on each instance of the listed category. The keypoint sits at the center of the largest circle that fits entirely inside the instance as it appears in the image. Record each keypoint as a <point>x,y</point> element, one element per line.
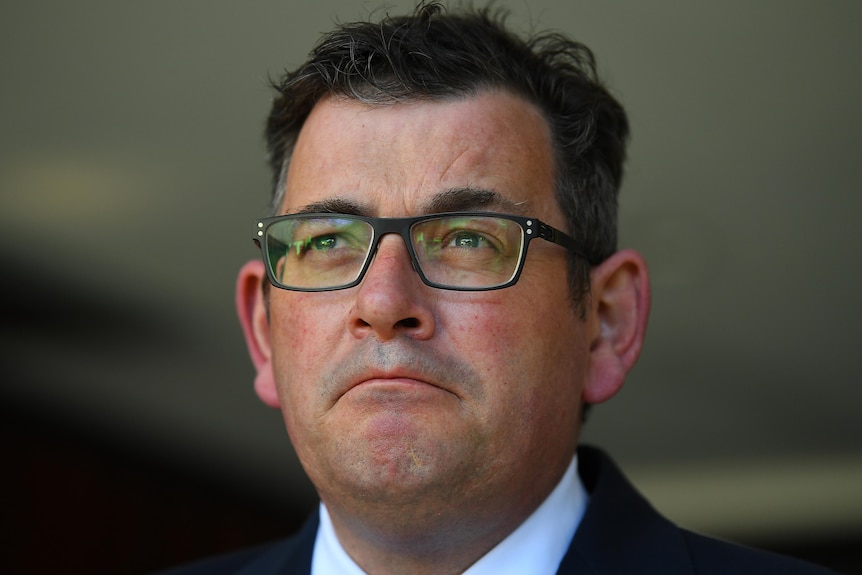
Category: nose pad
<point>413,264</point>
<point>413,261</point>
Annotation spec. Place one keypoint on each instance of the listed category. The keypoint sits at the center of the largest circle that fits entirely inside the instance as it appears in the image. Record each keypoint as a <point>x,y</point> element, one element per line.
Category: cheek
<point>483,332</point>
<point>299,347</point>
<point>526,352</point>
<point>490,336</point>
<point>532,368</point>
<point>300,332</point>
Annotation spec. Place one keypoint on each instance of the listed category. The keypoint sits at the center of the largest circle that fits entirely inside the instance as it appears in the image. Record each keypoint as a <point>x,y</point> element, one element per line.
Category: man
<point>440,299</point>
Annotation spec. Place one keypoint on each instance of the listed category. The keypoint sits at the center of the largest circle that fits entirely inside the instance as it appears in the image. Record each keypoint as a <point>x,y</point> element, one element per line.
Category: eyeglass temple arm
<point>560,238</point>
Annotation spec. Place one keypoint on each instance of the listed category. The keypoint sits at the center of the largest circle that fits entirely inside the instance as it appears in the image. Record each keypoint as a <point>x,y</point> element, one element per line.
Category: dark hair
<point>436,55</point>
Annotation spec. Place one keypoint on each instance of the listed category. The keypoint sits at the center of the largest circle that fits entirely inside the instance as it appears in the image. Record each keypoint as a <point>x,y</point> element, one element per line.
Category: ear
<point>619,308</point>
<point>251,308</point>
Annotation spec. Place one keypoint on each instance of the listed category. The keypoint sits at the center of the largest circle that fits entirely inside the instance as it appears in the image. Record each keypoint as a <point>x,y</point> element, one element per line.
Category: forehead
<point>395,159</point>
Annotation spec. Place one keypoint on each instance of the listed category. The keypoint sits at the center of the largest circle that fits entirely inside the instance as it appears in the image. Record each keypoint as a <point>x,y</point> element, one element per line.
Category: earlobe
<point>620,302</point>
<point>252,312</point>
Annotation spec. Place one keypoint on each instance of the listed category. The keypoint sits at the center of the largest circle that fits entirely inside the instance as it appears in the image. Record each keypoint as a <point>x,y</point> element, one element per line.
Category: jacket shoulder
<point>290,556</point>
<point>622,533</point>
<point>713,557</point>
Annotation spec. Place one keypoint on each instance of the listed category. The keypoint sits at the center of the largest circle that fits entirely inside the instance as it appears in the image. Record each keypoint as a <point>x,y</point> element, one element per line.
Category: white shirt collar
<point>536,547</point>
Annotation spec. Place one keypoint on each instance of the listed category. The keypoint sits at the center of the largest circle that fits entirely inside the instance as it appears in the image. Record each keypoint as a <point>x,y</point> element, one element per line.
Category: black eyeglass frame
<point>532,228</point>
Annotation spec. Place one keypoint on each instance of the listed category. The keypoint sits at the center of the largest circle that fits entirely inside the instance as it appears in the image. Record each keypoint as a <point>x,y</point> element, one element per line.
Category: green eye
<point>322,242</point>
<point>468,240</point>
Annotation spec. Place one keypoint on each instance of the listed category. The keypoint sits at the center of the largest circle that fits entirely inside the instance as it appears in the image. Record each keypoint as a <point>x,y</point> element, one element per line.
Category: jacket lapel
<point>620,531</point>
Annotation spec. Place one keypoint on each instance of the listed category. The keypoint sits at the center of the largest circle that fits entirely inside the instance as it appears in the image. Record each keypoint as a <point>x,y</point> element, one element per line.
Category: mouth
<point>398,370</point>
<point>392,384</point>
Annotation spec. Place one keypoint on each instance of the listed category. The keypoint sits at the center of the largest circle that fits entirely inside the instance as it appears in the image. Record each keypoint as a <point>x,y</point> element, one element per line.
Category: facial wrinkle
<point>452,163</point>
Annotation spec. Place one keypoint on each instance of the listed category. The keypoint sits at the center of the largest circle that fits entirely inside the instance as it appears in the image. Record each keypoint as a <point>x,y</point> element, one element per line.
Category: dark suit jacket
<point>619,533</point>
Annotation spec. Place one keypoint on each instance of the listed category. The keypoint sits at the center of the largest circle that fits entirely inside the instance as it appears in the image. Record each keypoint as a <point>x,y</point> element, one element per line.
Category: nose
<point>392,301</point>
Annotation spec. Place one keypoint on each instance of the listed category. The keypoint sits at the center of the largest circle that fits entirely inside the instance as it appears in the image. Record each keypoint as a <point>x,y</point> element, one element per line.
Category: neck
<point>444,538</point>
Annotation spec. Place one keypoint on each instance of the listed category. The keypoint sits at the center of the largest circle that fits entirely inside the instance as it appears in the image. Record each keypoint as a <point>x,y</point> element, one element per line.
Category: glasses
<point>465,251</point>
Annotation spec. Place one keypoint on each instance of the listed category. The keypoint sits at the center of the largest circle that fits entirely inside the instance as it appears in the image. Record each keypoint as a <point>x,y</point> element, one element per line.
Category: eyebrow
<point>470,199</point>
<point>452,200</point>
<point>336,206</point>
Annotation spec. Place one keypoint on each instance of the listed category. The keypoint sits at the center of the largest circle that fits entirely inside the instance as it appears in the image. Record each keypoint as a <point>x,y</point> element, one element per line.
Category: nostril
<point>409,322</point>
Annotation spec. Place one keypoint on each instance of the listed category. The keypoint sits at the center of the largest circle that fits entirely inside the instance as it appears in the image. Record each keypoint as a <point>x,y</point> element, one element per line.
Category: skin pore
<point>433,422</point>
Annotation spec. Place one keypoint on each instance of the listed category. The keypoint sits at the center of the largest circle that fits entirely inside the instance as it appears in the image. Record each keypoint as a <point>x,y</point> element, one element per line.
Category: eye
<point>323,235</point>
<point>467,239</point>
<point>326,242</point>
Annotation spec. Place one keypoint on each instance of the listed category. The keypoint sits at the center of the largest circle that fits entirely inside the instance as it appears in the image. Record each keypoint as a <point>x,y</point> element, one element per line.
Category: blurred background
<point>132,169</point>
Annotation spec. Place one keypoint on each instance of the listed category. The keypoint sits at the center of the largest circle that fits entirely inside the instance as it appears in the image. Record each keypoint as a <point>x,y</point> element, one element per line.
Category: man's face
<point>397,395</point>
